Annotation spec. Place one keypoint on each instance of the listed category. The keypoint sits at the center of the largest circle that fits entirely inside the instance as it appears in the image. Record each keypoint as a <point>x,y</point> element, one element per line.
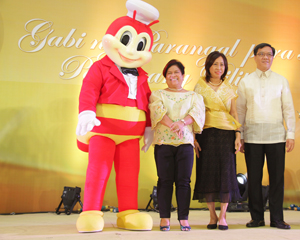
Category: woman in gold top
<point>176,114</point>
<point>219,142</point>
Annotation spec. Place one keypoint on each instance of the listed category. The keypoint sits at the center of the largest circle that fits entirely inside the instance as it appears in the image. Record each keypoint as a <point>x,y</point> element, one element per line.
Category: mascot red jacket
<point>114,115</point>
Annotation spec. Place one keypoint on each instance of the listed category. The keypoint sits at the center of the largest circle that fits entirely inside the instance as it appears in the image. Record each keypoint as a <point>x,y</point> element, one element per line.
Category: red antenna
<point>134,14</point>
<point>152,23</point>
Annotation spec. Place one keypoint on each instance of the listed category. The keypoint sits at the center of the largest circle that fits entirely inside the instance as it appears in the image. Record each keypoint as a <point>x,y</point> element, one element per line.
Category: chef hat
<point>145,12</point>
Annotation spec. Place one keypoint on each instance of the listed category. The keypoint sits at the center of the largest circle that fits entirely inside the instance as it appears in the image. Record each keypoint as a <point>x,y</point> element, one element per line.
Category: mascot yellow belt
<point>114,115</point>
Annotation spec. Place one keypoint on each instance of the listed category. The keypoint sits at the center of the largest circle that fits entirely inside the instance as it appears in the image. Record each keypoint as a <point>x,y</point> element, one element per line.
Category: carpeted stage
<point>51,226</point>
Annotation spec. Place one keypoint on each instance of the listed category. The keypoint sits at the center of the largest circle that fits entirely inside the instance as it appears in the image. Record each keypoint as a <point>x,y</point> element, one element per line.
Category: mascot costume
<point>114,115</point>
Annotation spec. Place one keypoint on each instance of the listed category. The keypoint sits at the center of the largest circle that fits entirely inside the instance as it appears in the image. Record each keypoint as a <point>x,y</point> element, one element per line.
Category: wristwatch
<point>184,122</point>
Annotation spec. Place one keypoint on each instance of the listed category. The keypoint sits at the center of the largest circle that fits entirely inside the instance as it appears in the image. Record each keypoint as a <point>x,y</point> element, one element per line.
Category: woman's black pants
<point>174,164</point>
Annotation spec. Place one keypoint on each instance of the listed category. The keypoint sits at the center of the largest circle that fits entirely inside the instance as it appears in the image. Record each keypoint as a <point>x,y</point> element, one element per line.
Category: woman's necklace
<point>175,89</point>
<point>216,84</point>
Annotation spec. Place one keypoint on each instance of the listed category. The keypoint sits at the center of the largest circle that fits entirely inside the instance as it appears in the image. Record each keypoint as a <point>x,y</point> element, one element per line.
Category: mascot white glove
<point>86,121</point>
<point>148,138</point>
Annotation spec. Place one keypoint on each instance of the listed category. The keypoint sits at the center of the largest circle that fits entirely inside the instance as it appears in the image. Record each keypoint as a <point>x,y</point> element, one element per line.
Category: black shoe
<point>280,224</point>
<point>212,226</point>
<point>255,223</point>
<point>223,227</point>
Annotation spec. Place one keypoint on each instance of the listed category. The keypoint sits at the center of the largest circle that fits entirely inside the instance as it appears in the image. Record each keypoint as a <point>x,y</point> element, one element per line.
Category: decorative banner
<point>40,34</point>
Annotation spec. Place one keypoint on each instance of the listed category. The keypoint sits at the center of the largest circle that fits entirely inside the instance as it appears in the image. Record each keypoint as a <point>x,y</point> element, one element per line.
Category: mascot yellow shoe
<point>134,220</point>
<point>90,221</point>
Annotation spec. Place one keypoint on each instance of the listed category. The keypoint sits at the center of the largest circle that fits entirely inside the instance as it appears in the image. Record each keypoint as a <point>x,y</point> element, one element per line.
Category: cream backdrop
<point>46,48</point>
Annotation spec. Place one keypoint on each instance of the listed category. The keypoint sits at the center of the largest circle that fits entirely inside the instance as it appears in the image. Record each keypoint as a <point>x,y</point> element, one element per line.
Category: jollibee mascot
<point>114,115</point>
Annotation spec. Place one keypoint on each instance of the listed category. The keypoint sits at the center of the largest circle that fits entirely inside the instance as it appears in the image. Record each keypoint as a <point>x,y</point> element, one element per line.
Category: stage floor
<point>52,226</point>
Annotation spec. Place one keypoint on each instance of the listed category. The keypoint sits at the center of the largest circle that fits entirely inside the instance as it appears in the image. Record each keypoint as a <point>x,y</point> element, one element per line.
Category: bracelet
<point>238,131</point>
<point>184,122</point>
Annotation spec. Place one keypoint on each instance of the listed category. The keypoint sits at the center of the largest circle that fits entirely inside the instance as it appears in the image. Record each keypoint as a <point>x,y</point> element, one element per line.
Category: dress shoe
<point>164,228</point>
<point>212,226</point>
<point>280,224</point>
<point>255,223</point>
<point>184,228</point>
<point>223,227</point>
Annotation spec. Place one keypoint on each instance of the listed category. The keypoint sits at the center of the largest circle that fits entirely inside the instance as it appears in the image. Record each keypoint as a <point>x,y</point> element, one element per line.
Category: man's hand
<point>290,143</point>
<point>86,121</point>
<point>242,149</point>
<point>197,148</point>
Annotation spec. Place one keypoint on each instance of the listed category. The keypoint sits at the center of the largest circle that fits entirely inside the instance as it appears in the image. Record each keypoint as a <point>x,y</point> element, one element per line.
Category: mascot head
<point>129,39</point>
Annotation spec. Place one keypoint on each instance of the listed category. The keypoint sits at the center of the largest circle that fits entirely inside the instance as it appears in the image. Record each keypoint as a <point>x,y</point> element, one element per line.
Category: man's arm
<point>241,107</point>
<point>288,115</point>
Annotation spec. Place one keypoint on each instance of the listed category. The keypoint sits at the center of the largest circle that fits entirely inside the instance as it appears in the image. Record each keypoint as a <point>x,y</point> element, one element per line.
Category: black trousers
<point>255,156</point>
<point>174,165</point>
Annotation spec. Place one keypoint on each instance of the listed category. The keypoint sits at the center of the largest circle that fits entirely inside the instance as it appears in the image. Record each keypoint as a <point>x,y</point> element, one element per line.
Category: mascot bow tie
<point>132,71</point>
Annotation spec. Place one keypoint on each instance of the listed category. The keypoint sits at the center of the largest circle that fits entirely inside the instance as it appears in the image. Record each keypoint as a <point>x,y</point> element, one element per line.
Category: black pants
<point>255,156</point>
<point>174,164</point>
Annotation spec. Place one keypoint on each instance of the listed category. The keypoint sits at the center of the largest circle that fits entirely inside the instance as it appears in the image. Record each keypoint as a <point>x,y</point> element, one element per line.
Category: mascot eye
<point>126,38</point>
<point>142,44</point>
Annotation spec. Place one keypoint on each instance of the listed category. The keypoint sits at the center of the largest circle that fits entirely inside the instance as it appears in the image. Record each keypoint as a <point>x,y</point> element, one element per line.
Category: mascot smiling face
<point>129,39</point>
<point>128,46</point>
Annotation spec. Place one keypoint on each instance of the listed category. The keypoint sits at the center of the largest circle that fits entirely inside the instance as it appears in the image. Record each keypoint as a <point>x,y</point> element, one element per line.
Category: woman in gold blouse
<point>176,114</point>
<point>219,142</point>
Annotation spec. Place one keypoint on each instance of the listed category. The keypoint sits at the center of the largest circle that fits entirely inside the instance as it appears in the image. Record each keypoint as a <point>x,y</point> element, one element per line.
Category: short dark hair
<point>211,58</point>
<point>171,63</point>
<point>262,45</point>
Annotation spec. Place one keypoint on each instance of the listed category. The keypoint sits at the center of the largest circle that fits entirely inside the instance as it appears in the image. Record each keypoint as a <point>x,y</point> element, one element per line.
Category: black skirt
<point>216,167</point>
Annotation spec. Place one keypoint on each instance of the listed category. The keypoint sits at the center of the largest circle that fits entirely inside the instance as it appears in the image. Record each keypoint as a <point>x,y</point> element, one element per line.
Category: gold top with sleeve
<point>217,105</point>
<point>176,105</point>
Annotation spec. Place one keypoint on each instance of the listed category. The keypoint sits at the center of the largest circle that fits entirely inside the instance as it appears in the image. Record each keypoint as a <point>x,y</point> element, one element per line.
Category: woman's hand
<point>177,127</point>
<point>197,148</point>
<point>179,134</point>
<point>237,143</point>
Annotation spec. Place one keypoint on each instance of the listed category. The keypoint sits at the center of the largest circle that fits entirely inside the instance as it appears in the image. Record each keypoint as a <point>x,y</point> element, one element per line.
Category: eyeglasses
<point>261,54</point>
